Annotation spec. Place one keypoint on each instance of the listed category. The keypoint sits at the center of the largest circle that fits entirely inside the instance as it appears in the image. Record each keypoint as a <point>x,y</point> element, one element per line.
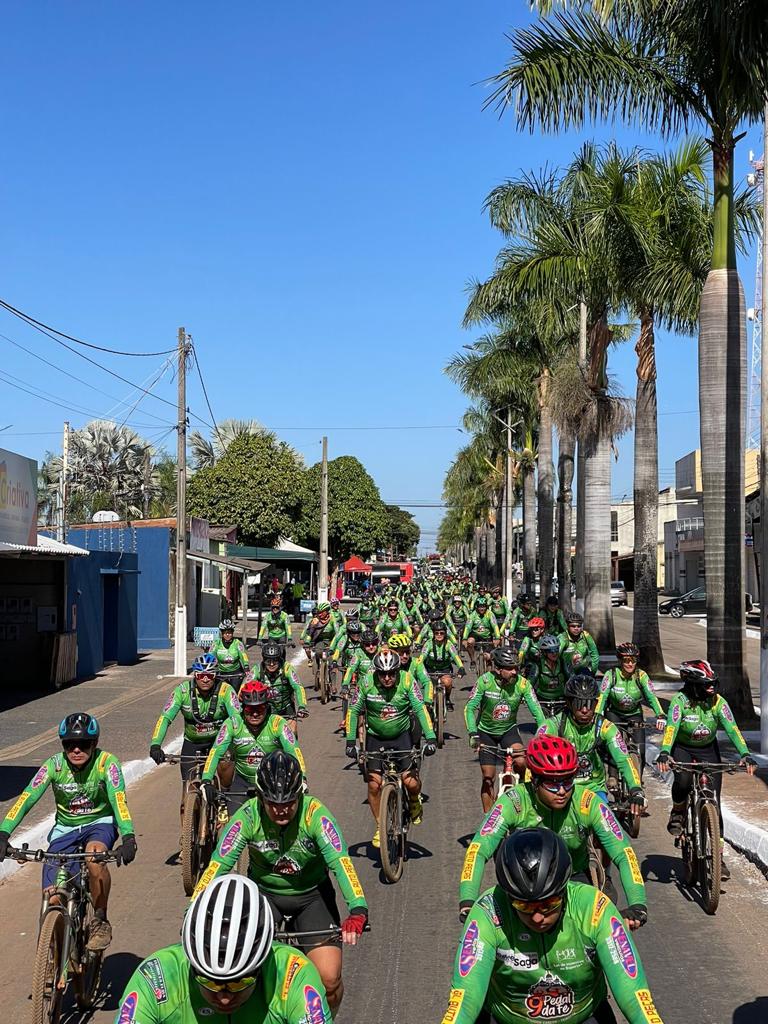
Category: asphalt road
<point>703,969</point>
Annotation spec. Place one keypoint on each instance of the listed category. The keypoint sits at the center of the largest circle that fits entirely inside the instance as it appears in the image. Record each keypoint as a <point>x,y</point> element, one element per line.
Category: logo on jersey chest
<point>549,999</point>
<point>502,711</point>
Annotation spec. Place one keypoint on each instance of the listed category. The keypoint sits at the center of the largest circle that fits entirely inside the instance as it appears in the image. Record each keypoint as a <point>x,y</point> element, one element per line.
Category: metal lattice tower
<point>757,180</point>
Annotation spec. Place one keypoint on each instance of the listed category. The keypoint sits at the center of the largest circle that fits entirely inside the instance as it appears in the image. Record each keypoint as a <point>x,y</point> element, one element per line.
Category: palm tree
<point>206,452</point>
<point>668,65</point>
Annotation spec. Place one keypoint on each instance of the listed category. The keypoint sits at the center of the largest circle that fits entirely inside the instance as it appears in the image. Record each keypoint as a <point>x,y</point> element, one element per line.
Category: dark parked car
<point>692,603</point>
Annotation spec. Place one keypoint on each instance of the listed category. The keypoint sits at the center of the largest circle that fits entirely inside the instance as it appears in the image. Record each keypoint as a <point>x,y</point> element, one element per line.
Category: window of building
<point>614,527</point>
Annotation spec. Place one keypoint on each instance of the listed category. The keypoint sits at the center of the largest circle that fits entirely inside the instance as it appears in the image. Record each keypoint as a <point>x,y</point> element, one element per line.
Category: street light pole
<point>763,313</point>
<point>322,575</point>
<point>180,619</point>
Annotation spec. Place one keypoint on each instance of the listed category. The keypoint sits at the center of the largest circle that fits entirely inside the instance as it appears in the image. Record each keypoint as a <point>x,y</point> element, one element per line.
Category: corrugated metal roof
<point>45,546</point>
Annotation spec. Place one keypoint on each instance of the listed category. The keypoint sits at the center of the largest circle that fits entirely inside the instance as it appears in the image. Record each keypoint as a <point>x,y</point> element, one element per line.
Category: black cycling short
<point>506,739</point>
<point>190,749</point>
<point>310,911</point>
<point>628,721</point>
<point>682,781</point>
<point>402,742</point>
<point>237,793</point>
<point>603,1014</point>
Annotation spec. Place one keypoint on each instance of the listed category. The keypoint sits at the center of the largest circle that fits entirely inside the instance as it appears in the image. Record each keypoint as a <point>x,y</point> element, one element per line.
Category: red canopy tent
<point>355,564</point>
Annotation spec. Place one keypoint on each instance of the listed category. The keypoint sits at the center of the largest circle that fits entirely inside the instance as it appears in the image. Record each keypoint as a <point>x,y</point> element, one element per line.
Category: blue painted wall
<point>86,582</point>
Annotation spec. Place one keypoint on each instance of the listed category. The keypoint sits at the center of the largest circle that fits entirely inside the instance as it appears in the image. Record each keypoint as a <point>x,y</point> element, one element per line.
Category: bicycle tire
<point>324,682</point>
<point>710,863</point>
<point>687,851</point>
<point>47,999</point>
<point>390,833</point>
<point>190,847</point>
<point>440,719</point>
<point>86,981</point>
<point>362,735</point>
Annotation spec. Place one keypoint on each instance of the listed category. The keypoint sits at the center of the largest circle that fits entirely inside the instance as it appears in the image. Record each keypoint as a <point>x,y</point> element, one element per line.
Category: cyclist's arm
<point>467,627</point>
<point>353,713</point>
<point>469,989</point>
<point>495,627</point>
<point>455,656</point>
<point>725,718</point>
<point>167,715</point>
<point>646,686</point>
<point>601,820</point>
<point>218,749</point>
<point>420,710</point>
<point>674,718</point>
<point>140,1002</point>
<point>305,999</point>
<point>263,631</point>
<point>623,969</point>
<point>325,830</point>
<point>298,690</point>
<point>532,701</point>
<point>605,688</point>
<point>231,700</point>
<point>242,655</point>
<point>351,669</point>
<point>232,841</point>
<point>472,707</point>
<point>498,822</point>
<point>289,743</point>
<point>115,784</point>
<point>593,656</point>
<point>618,752</point>
<point>27,799</point>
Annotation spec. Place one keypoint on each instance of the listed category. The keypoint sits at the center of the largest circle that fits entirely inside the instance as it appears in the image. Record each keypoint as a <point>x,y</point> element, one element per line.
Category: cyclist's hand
<point>353,927</point>
<point>5,838</point>
<point>636,800</point>
<point>661,724</point>
<point>351,751</point>
<point>208,790</point>
<point>126,853</point>
<point>662,763</point>
<point>474,740</point>
<point>429,749</point>
<point>464,908</point>
<point>302,713</point>
<point>635,916</point>
<point>157,753</point>
<point>749,763</point>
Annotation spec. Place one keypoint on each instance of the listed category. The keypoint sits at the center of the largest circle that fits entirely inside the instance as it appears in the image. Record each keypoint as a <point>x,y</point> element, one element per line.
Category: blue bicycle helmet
<point>79,726</point>
<point>205,663</point>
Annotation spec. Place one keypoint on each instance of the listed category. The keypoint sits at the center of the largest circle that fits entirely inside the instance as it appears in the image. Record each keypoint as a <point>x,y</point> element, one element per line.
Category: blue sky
<point>301,187</point>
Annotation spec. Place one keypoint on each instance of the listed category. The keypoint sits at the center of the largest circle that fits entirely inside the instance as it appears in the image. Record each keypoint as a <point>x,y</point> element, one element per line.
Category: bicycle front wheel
<point>391,833</point>
<point>190,846</point>
<point>440,719</point>
<point>711,857</point>
<point>324,683</point>
<point>47,997</point>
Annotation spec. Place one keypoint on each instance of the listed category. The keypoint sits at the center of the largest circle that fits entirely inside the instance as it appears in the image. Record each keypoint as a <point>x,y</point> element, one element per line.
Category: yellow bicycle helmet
<point>399,641</point>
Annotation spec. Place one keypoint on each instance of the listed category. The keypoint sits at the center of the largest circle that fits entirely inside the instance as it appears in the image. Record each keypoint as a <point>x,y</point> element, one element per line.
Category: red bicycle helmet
<point>536,622</point>
<point>254,693</point>
<point>550,756</point>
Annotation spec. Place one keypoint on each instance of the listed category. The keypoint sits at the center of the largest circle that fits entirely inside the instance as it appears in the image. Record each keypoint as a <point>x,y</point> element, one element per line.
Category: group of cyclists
<point>542,943</point>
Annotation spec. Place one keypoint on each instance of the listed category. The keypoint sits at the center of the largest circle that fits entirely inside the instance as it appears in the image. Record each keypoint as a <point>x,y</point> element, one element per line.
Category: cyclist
<point>548,800</point>
<point>401,644</point>
<point>517,621</point>
<point>230,654</point>
<point>276,626</point>
<point>499,605</point>
<point>595,739</point>
<point>226,969</point>
<point>250,736</point>
<point>439,656</point>
<point>548,676</point>
<point>539,946</point>
<point>294,845</point>
<point>491,716</point>
<point>428,630</point>
<point>393,621</point>
<point>367,611</point>
<point>624,690</point>
<point>529,648</point>
<point>480,627</point>
<point>389,699</point>
<point>287,697</point>
<point>412,613</point>
<point>456,615</point>
<point>694,717</point>
<point>554,620</point>
<point>205,702</point>
<point>577,648</point>
<point>336,613</point>
<point>91,810</point>
<point>319,631</point>
<point>361,661</point>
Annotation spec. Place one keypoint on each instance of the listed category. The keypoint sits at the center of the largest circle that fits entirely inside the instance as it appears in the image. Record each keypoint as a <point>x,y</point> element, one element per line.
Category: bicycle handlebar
<point>500,751</point>
<point>24,854</point>
<point>702,766</point>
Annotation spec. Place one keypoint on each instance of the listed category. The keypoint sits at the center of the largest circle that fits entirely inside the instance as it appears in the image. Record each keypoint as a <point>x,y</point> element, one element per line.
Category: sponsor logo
<point>675,713</point>
<point>153,972</point>
<point>514,796</point>
<point>388,712</point>
<point>314,1003</point>
<point>254,756</point>
<point>549,999</point>
<point>470,949</point>
<point>701,732</point>
<point>727,713</point>
<point>586,800</point>
<point>205,878</point>
<point>230,838</point>
<point>634,867</point>
<point>313,805</point>
<point>294,963</point>
<point>491,821</point>
<point>502,711</point>
<point>626,954</point>
<point>488,904</point>
<point>122,807</point>
<point>469,862</point>
<point>288,735</point>
<point>566,955</point>
<point>650,1012</point>
<point>601,902</point>
<point>455,999</point>
<point>351,876</point>
<point>331,833</point>
<point>669,735</point>
<point>585,767</point>
<point>609,820</point>
<point>168,704</point>
<point>517,960</point>
<point>287,866</point>
<point>14,811</point>
<point>221,736</point>
<point>114,774</point>
<point>40,776</point>
<point>128,1009</point>
<point>82,804</point>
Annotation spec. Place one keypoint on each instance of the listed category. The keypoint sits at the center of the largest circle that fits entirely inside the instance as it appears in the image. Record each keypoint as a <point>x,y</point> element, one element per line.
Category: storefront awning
<point>273,556</point>
<point>45,546</point>
<point>230,562</point>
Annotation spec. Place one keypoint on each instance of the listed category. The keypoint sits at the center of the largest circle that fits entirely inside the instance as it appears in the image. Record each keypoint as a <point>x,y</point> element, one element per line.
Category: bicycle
<point>62,954</point>
<point>200,823</point>
<point>506,777</point>
<point>323,671</point>
<point>394,811</point>
<point>439,707</point>
<point>699,842</point>
<point>617,787</point>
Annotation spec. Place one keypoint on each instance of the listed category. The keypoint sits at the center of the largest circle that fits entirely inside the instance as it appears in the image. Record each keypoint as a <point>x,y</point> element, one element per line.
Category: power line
<point>158,377</point>
<point>78,341</point>
<point>430,426</point>
<point>205,391</point>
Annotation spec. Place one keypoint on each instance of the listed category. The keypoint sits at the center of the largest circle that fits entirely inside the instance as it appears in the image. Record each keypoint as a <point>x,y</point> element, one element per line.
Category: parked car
<point>692,603</point>
<point>618,593</point>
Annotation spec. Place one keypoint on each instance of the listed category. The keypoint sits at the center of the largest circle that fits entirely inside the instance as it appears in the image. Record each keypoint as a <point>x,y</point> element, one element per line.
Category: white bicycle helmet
<point>228,929</point>
<point>386,661</point>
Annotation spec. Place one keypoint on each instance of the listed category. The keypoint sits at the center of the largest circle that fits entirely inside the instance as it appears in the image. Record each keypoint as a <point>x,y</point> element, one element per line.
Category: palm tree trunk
<point>546,489</point>
<point>598,614</point>
<point>580,517</point>
<point>565,451</point>
<point>529,530</point>
<point>645,628</point>
<point>499,553</point>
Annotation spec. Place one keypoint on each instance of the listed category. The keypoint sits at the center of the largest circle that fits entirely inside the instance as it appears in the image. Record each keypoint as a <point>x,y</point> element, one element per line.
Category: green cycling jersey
<point>580,652</point>
<point>549,679</point>
<point>625,695</point>
<point>441,657</point>
<point>696,723</point>
<point>528,652</point>
<point>585,815</point>
<point>94,793</point>
<point>554,620</point>
<point>232,658</point>
<point>590,742</point>
<point>360,665</point>
<point>399,624</point>
<point>317,631</point>
<point>518,975</point>
<point>163,990</point>
<point>288,695</point>
<point>388,709</point>
<point>287,860</point>
<point>202,715</point>
<point>492,705</point>
<point>248,748</point>
<point>500,609</point>
<point>517,622</point>
<point>481,627</point>
<point>276,627</point>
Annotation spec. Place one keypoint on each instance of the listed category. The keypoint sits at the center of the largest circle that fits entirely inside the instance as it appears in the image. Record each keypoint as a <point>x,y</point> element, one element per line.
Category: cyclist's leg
<point>447,681</point>
<point>66,843</point>
<point>372,745</point>
<point>488,768</point>
<point>681,787</point>
<point>237,793</point>
<point>319,911</point>
<point>99,838</point>
<point>189,750</point>
<point>512,738</point>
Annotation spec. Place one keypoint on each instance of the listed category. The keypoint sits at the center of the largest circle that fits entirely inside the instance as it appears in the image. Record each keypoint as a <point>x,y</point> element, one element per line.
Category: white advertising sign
<point>18,499</point>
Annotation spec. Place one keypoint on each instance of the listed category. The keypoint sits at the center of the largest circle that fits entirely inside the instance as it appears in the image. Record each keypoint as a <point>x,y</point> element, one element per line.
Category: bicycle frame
<point>506,777</point>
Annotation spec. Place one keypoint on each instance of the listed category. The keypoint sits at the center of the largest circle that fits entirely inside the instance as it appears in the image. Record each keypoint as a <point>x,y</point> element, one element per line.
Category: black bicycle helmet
<point>79,726</point>
<point>439,626</point>
<point>524,599</point>
<point>582,687</point>
<point>354,628</point>
<point>272,652</point>
<point>505,657</point>
<point>368,637</point>
<point>533,864</point>
<point>574,619</point>
<point>279,778</point>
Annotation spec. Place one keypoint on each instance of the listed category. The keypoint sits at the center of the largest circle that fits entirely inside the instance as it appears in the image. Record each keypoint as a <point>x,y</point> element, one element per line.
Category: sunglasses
<point>82,745</point>
<point>557,784</point>
<point>387,675</point>
<point>204,677</point>
<point>225,986</point>
<point>538,906</point>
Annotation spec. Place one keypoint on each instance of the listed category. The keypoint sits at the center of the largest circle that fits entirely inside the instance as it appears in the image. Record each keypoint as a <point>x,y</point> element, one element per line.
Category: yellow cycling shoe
<point>417,810</point>
<point>375,842</point>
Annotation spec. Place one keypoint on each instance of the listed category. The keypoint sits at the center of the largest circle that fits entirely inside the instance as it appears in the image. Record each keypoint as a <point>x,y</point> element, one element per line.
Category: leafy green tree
<point>357,518</point>
<point>403,532</point>
<point>257,484</point>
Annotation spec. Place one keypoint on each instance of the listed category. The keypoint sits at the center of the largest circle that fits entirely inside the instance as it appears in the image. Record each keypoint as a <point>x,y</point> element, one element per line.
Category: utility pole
<point>180,620</point>
<point>580,504</point>
<point>322,576</point>
<point>508,522</point>
<point>763,314</point>
<point>145,488</point>
<point>61,531</point>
